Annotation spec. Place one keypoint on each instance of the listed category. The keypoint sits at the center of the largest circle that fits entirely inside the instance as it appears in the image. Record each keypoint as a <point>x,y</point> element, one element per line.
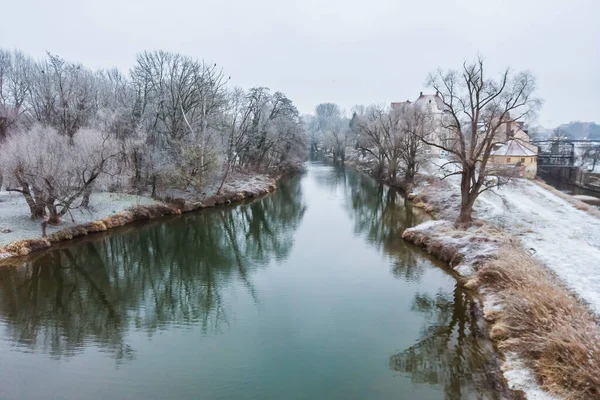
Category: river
<point>308,293</point>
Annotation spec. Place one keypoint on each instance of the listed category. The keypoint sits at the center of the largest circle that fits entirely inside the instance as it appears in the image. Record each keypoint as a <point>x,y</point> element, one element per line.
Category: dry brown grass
<point>63,234</point>
<point>549,328</point>
<point>96,226</point>
<point>439,248</point>
<point>537,318</point>
<point>118,219</point>
<point>158,210</point>
<point>24,247</point>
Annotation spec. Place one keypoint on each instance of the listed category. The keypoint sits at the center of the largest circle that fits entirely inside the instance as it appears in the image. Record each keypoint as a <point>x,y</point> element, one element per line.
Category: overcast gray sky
<point>344,51</point>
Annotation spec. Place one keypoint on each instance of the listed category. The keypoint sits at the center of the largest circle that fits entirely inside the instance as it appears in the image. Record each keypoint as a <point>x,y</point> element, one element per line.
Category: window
<point>523,160</point>
<point>508,160</point>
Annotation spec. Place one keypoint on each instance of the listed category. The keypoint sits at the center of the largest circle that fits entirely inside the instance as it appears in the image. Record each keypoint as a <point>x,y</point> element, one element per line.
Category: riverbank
<point>21,236</point>
<point>496,377</point>
<point>141,295</point>
<point>532,256</point>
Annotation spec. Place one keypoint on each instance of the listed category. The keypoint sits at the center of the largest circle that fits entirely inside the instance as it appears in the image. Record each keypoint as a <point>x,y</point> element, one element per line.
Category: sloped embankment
<point>534,320</point>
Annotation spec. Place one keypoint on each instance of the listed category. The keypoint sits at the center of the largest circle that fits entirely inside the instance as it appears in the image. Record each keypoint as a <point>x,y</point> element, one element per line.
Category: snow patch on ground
<point>236,183</point>
<point>520,377</point>
<point>473,245</point>
<point>15,217</point>
<point>249,184</point>
<point>565,239</point>
<point>14,214</point>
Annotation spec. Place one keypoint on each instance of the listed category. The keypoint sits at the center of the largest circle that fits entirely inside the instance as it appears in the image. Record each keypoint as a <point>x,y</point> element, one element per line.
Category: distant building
<point>515,130</point>
<point>433,104</point>
<point>515,153</point>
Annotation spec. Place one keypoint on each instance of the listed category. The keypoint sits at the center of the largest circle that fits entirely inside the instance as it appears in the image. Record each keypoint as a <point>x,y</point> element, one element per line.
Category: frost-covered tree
<point>52,171</point>
<point>172,118</point>
<point>329,131</point>
<point>414,124</point>
<point>392,138</point>
<point>63,95</point>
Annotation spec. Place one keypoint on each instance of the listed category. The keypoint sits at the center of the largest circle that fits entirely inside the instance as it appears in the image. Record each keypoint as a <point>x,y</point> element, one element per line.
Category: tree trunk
<point>465,218</point>
<point>224,178</point>
<point>137,175</point>
<point>409,176</point>
<point>44,226</point>
<point>54,217</point>
<point>36,206</point>
<point>85,201</point>
<point>38,211</point>
<point>379,170</point>
<point>467,197</point>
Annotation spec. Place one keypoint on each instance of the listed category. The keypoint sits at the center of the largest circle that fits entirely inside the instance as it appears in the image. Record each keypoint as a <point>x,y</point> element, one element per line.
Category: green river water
<point>308,293</point>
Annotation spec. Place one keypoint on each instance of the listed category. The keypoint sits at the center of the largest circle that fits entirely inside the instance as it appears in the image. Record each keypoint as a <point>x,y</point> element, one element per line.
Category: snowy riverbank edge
<point>114,210</point>
<point>548,337</point>
<point>523,215</point>
<point>509,382</point>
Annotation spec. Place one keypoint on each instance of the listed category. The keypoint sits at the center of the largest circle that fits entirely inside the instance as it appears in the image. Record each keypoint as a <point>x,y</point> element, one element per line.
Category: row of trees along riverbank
<point>171,123</point>
<point>477,109</point>
<point>176,123</point>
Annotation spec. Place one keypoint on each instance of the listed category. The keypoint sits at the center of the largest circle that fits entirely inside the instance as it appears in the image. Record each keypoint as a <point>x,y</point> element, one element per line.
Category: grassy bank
<point>236,189</point>
<point>532,316</point>
<point>451,256</point>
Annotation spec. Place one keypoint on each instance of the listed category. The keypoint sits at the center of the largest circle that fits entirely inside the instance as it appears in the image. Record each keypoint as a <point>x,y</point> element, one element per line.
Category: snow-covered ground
<point>236,182</point>
<point>519,377</point>
<point>564,238</point>
<point>14,214</point>
<point>16,224</point>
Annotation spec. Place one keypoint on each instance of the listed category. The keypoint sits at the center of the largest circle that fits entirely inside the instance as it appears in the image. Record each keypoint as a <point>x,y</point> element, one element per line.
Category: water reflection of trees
<point>451,351</point>
<point>163,273</point>
<point>380,214</point>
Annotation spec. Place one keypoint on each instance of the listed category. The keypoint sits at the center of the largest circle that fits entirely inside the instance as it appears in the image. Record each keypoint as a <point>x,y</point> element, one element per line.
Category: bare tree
<point>414,124</point>
<point>63,95</point>
<point>393,138</point>
<point>15,85</point>
<point>326,116</point>
<point>478,110</point>
<point>52,170</point>
<point>337,137</point>
<point>590,156</point>
<point>172,120</point>
<point>370,136</point>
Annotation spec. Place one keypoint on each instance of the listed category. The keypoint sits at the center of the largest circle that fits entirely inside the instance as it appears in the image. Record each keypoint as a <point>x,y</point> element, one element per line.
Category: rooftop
<point>514,148</point>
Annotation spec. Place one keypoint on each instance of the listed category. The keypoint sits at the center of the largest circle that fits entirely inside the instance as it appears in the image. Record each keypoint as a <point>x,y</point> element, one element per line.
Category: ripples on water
<point>307,293</point>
